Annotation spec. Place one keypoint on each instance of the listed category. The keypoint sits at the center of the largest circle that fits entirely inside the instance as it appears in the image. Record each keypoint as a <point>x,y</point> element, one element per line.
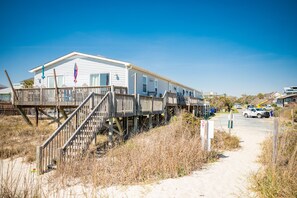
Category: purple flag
<point>75,72</point>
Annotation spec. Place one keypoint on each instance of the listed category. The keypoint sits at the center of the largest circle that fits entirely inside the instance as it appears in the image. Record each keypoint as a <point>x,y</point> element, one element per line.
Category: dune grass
<point>278,180</point>
<point>17,138</point>
<point>164,152</point>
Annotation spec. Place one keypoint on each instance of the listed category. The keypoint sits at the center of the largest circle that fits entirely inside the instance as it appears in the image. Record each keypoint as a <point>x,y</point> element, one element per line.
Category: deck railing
<point>145,104</point>
<point>47,152</point>
<point>125,105</point>
<point>170,98</point>
<point>67,96</point>
<point>193,101</point>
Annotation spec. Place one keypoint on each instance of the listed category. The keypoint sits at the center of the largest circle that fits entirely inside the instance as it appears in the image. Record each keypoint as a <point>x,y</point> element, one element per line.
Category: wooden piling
<point>36,116</point>
<point>275,135</point>
<point>150,121</point>
<point>110,132</point>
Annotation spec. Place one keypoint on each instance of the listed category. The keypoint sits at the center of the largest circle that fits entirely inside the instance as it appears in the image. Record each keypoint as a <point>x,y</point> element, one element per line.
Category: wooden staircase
<point>73,137</point>
<point>79,142</point>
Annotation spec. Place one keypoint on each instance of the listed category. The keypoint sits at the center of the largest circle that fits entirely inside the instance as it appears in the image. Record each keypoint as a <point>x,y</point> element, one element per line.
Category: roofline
<point>113,61</point>
<point>287,96</point>
<point>158,76</point>
<point>79,54</point>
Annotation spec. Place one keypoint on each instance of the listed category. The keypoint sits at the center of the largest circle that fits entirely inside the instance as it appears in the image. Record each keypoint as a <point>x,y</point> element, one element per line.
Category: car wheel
<point>246,115</point>
<point>259,115</point>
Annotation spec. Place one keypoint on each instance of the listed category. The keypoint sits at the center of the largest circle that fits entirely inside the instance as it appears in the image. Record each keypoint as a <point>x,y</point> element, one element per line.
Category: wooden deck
<point>96,108</point>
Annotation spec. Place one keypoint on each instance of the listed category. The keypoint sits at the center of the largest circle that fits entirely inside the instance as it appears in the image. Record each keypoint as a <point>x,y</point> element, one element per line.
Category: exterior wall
<point>163,85</point>
<point>86,67</point>
<point>119,76</point>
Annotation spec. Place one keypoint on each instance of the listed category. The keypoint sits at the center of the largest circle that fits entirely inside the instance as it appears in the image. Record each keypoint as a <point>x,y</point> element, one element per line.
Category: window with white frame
<point>156,86</point>
<point>104,79</point>
<point>94,80</point>
<point>99,79</point>
<point>170,87</point>
<point>51,81</point>
<point>144,83</point>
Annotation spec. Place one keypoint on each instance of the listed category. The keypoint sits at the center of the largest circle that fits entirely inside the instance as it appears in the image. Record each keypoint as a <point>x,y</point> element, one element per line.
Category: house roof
<point>128,65</point>
<point>288,96</point>
<point>5,91</point>
<point>77,54</point>
<point>2,86</point>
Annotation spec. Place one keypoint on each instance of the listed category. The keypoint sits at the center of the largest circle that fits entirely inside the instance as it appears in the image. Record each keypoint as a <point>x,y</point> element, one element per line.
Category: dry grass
<point>278,180</point>
<point>165,152</point>
<point>224,141</point>
<point>19,139</point>
<point>17,181</point>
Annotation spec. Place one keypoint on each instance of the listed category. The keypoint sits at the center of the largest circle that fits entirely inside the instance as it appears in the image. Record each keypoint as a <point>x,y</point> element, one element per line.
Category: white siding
<point>86,67</point>
<point>162,84</point>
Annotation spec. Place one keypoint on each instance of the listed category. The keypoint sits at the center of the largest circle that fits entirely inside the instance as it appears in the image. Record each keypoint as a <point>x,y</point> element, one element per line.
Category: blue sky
<point>233,47</point>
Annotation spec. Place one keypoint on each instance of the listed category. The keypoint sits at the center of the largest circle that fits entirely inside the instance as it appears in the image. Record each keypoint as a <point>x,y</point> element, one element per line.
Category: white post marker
<point>210,134</point>
<point>202,130</point>
<point>230,121</point>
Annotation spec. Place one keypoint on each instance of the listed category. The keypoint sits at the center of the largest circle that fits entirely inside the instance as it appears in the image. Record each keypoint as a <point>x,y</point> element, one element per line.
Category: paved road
<point>225,178</point>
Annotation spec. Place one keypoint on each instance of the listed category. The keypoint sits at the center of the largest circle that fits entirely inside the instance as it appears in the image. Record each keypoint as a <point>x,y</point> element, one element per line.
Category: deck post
<point>127,127</point>
<point>36,116</point>
<point>165,115</point>
<point>39,160</point>
<point>56,88</point>
<point>135,124</point>
<point>113,100</point>
<point>150,121</point>
<point>58,115</point>
<point>110,132</point>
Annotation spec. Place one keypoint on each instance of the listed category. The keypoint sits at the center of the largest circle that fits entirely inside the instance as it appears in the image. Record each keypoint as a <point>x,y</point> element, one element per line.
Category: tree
<point>28,83</point>
<point>260,95</point>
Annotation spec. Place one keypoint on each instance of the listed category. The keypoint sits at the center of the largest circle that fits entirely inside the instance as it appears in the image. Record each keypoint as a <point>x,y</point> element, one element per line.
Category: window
<point>144,83</point>
<point>170,87</point>
<point>99,79</point>
<point>104,79</point>
<point>94,80</point>
<point>51,81</point>
<point>156,86</point>
<point>183,92</point>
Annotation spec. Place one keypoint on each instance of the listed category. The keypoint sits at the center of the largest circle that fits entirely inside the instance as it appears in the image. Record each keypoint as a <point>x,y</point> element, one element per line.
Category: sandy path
<point>225,178</point>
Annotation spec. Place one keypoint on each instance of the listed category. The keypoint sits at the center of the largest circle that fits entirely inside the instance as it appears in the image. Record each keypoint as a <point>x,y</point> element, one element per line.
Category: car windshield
<point>259,109</point>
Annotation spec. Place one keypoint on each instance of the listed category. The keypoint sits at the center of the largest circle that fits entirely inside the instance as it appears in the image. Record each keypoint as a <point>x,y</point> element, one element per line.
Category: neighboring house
<point>2,86</point>
<point>5,93</point>
<point>290,90</point>
<point>99,71</point>
<point>285,100</point>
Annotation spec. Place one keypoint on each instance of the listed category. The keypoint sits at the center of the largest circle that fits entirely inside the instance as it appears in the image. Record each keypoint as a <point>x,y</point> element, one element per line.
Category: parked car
<point>255,112</point>
<point>250,106</point>
<point>268,107</point>
<point>237,106</point>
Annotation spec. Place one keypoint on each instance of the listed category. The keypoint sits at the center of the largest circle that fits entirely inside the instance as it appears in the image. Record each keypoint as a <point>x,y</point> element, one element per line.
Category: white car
<point>255,112</point>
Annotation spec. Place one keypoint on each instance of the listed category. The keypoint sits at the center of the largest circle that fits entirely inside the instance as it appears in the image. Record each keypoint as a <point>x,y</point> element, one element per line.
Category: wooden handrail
<point>85,121</point>
<point>67,120</point>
